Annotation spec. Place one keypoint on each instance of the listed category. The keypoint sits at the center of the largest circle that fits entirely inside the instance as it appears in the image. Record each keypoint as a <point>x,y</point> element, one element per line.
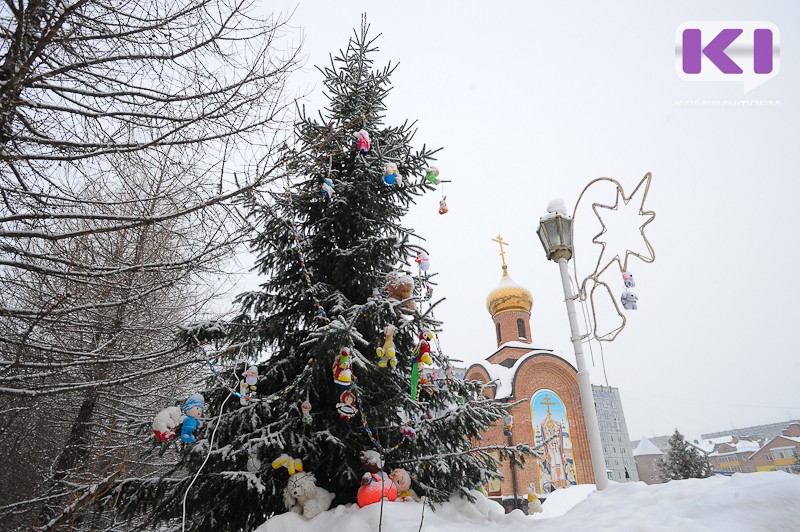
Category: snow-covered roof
<point>645,448</point>
<point>519,345</point>
<point>505,376</point>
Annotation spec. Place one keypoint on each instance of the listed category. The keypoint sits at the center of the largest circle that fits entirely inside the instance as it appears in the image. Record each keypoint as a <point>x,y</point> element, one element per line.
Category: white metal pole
<point>585,385</point>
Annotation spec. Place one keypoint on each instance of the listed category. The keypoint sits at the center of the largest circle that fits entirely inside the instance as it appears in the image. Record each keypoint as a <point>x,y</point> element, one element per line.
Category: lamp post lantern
<point>555,232</point>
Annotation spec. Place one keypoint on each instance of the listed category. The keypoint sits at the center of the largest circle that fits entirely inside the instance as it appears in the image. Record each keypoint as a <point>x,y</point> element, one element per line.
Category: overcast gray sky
<point>531,101</point>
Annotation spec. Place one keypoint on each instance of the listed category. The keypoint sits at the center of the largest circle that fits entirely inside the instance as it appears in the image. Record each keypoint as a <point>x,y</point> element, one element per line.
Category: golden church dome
<point>508,296</point>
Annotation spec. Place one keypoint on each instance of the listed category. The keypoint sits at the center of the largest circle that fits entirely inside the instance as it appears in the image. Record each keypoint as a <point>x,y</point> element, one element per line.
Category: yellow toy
<point>293,465</point>
<point>387,352</point>
<point>534,504</point>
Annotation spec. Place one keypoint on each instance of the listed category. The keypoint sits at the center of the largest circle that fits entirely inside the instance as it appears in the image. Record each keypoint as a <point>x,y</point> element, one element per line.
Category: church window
<point>521,328</point>
<point>498,332</point>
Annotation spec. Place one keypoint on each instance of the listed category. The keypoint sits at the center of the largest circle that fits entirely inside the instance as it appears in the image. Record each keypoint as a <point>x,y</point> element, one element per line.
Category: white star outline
<point>600,267</point>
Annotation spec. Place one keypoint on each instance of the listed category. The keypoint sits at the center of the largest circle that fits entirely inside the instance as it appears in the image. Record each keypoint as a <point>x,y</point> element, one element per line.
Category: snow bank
<point>742,502</point>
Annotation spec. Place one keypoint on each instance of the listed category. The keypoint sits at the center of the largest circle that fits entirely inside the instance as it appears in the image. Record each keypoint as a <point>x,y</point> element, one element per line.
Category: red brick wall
<point>537,372</point>
<point>508,326</point>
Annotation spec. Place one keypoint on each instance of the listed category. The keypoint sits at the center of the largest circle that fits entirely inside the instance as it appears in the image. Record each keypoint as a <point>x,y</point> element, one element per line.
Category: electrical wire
<point>210,447</point>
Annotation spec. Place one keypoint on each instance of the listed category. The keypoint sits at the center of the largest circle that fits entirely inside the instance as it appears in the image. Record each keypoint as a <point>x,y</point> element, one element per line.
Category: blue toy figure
<point>194,407</point>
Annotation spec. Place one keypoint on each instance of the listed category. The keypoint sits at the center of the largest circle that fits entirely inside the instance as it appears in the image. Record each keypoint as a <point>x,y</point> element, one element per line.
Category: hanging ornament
<point>363,142</point>
<point>293,465</point>
<point>423,260</point>
<point>627,278</point>
<point>347,405</point>
<point>327,188</point>
<point>443,205</point>
<point>248,384</point>
<point>390,175</point>
<point>375,484</point>
<point>421,355</point>
<point>193,408</point>
<point>165,422</point>
<point>629,300</point>
<point>305,407</point>
<point>387,352</point>
<point>407,431</point>
<point>508,425</point>
<point>342,371</point>
<point>432,175</point>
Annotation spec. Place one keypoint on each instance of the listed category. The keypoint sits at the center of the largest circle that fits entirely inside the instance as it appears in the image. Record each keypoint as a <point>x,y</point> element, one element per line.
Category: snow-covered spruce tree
<point>683,461</point>
<point>325,263</point>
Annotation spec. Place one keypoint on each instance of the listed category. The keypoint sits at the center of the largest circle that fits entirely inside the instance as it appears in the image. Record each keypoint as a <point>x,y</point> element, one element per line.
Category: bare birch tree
<point>128,131</point>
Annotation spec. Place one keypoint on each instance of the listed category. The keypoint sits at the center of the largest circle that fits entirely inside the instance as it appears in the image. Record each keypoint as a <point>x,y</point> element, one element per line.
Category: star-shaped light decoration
<point>601,267</point>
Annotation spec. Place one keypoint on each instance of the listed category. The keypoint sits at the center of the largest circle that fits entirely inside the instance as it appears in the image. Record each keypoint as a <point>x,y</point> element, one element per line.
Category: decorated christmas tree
<point>336,356</point>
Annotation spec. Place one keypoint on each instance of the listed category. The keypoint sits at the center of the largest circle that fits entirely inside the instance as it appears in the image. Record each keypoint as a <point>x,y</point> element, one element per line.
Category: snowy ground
<point>743,502</point>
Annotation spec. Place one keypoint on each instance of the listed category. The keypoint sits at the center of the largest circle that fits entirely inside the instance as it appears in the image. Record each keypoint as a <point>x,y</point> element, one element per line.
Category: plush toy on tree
<point>305,407</point>
<point>165,423</point>
<point>401,288</point>
<point>362,144</point>
<point>424,346</point>
<point>248,384</point>
<point>292,465</point>
<point>390,174</point>
<point>375,484</point>
<point>347,405</point>
<point>421,355</point>
<point>193,408</point>
<point>327,188</point>
<point>443,206</point>
<point>432,175</point>
<point>424,261</point>
<point>342,371</point>
<point>402,480</point>
<point>387,352</point>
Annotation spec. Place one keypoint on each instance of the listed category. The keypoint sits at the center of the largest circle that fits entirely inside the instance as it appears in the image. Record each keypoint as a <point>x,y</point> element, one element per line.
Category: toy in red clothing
<point>375,484</point>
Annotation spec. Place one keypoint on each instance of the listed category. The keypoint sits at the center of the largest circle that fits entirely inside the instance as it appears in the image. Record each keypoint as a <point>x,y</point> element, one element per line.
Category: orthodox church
<point>545,388</point>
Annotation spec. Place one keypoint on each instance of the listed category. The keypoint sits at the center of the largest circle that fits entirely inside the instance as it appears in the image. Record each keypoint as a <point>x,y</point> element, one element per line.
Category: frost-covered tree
<point>683,460</point>
<point>89,88</point>
<point>333,269</point>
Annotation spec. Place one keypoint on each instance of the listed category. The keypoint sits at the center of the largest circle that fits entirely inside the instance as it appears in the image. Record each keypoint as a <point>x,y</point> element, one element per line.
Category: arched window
<point>498,332</point>
<point>521,328</point>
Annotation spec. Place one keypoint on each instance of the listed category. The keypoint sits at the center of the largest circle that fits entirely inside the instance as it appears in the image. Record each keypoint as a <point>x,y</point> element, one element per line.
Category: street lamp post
<point>555,232</point>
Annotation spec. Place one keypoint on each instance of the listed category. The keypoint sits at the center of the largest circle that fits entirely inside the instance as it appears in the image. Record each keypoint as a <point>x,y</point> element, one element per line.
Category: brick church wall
<point>533,374</point>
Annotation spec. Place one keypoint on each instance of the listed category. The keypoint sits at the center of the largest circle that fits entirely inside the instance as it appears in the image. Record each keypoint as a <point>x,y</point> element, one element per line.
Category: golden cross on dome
<point>500,241</point>
<point>547,402</point>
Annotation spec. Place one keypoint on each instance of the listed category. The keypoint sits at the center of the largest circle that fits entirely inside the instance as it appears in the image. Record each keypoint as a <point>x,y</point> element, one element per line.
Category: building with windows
<point>729,454</point>
<point>647,457</point>
<point>781,453</point>
<point>617,449</point>
<point>757,432</point>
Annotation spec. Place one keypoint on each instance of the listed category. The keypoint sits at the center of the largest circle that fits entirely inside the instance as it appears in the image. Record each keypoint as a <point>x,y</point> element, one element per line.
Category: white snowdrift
<point>743,502</point>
